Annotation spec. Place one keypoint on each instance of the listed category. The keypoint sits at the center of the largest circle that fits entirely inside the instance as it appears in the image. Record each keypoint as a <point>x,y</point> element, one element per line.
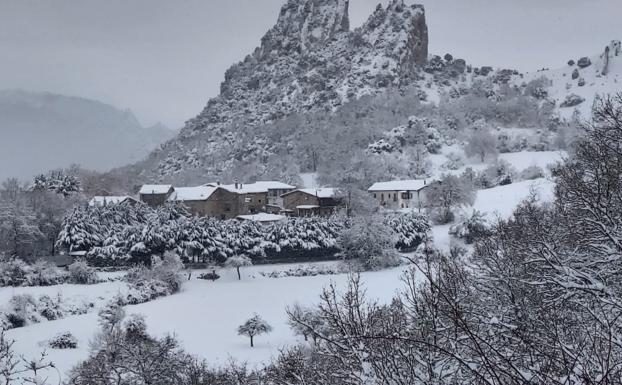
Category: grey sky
<point>165,58</point>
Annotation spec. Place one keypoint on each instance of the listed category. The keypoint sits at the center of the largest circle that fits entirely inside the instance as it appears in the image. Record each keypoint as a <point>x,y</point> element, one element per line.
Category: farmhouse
<point>400,194</point>
<point>225,201</point>
<point>101,201</point>
<point>308,202</point>
<point>155,195</point>
<point>207,201</point>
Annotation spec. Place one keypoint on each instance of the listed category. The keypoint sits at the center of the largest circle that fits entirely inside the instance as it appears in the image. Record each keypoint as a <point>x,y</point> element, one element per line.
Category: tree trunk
<point>239,279</point>
<point>252,345</point>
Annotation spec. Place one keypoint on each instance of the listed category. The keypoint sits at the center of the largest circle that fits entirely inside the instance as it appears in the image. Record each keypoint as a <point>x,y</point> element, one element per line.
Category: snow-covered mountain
<point>311,65</point>
<point>42,131</point>
<point>309,61</point>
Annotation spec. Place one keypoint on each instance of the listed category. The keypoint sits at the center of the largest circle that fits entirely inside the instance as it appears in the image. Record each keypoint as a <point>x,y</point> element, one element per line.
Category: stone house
<point>155,195</point>
<point>401,194</point>
<point>310,202</point>
<point>101,201</point>
<point>207,201</point>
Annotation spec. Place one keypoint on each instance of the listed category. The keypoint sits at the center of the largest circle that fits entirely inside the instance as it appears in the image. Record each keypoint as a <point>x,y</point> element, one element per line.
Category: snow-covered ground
<point>595,83</point>
<point>205,315</point>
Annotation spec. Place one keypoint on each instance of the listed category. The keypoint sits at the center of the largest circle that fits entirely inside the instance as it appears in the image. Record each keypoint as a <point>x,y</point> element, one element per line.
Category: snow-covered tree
<point>370,243</point>
<point>450,192</point>
<point>238,261</point>
<point>481,143</point>
<point>253,327</point>
<point>19,232</point>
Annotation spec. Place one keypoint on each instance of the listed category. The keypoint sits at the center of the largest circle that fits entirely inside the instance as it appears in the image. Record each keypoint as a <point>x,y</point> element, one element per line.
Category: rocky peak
<point>400,30</point>
<point>309,61</point>
<point>305,26</point>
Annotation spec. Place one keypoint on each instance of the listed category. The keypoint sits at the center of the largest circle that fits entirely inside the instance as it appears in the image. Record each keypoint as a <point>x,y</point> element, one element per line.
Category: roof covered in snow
<point>184,194</point>
<point>155,189</point>
<point>324,192</point>
<point>109,200</point>
<point>253,188</point>
<point>274,185</point>
<point>262,217</point>
<point>400,185</point>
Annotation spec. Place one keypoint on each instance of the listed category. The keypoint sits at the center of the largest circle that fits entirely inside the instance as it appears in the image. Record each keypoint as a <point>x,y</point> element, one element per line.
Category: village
<point>267,202</point>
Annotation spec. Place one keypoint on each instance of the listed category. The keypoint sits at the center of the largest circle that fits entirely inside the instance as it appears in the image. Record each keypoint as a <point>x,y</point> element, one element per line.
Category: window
<point>248,200</point>
<point>382,197</point>
<point>406,195</point>
<point>375,197</point>
<point>227,208</point>
<point>394,197</point>
<point>259,201</point>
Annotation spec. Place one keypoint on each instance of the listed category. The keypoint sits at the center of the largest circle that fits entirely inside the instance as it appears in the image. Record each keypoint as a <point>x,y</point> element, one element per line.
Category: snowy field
<point>205,315</point>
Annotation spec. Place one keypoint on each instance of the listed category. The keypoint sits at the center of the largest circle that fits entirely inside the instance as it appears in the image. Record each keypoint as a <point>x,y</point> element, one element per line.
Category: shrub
<point>370,243</point>
<point>44,273</point>
<point>81,273</point>
<point>470,227</point>
<point>532,172</point>
<point>211,276</point>
<point>64,340</point>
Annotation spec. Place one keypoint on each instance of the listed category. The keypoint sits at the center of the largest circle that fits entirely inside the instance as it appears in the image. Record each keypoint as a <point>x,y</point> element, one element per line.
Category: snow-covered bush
<point>13,272</point>
<point>306,271</point>
<point>500,173</point>
<point>410,229</point>
<point>470,226</point>
<point>454,161</point>
<point>64,340</point>
<point>370,244</point>
<point>81,273</point>
<point>44,273</point>
<point>531,172</point>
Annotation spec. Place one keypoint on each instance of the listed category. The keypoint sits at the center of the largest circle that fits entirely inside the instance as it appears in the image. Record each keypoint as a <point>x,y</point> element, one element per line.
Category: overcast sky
<point>165,58</point>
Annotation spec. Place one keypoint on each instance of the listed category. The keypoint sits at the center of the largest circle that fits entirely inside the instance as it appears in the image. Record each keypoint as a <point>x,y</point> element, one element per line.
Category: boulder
<point>571,62</point>
<point>572,100</point>
<point>581,82</point>
<point>584,62</point>
<point>575,74</point>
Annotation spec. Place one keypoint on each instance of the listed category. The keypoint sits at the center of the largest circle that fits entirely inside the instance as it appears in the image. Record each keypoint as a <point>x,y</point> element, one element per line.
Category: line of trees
<point>128,233</point>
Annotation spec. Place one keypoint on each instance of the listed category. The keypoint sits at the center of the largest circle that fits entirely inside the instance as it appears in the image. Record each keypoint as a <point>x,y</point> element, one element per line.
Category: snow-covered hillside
<point>598,75</point>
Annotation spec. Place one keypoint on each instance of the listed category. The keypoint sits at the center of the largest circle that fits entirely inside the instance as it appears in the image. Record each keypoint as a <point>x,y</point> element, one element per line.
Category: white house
<point>401,194</point>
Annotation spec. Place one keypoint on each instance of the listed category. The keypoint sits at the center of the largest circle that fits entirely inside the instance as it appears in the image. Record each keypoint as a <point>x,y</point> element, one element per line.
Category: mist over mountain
<point>43,131</point>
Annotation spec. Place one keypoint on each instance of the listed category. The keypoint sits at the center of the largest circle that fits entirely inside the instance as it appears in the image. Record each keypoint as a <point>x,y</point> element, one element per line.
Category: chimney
<point>236,185</point>
<point>240,186</point>
<point>217,183</point>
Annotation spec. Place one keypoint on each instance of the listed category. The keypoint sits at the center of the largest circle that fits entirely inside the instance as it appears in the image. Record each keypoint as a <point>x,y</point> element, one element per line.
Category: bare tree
<point>481,143</point>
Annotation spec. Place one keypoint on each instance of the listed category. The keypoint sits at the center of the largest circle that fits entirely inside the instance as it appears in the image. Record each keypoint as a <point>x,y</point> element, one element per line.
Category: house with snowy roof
<point>207,201</point>
<point>155,195</point>
<point>101,201</point>
<point>401,194</point>
<point>259,196</point>
<point>312,201</point>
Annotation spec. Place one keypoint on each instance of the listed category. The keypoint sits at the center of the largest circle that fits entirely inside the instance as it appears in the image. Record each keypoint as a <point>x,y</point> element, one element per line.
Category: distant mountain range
<point>43,131</point>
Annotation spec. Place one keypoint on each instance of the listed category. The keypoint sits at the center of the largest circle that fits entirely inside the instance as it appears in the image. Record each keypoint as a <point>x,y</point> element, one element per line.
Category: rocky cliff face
<point>309,61</point>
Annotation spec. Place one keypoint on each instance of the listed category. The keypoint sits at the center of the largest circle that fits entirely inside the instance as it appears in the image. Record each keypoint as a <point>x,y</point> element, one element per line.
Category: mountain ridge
<point>43,131</point>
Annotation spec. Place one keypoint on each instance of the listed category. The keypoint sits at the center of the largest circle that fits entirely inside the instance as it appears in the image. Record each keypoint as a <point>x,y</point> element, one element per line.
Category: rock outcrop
<point>309,61</point>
